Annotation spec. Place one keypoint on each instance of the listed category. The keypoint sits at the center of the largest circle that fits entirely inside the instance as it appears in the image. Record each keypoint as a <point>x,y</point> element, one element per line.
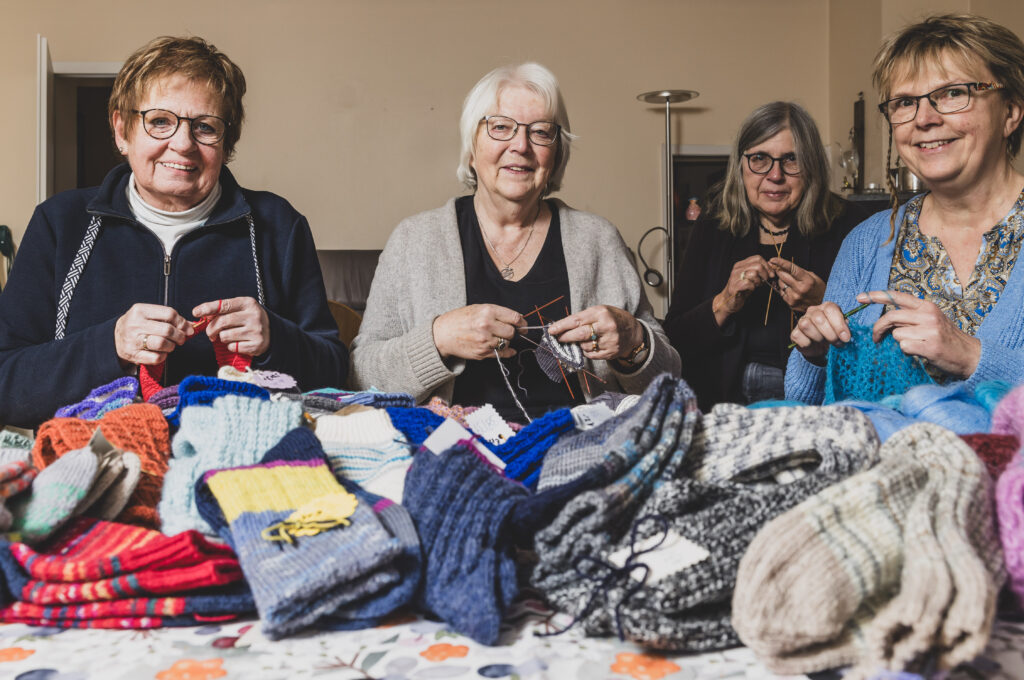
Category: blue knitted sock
<point>201,390</point>
<point>459,506</point>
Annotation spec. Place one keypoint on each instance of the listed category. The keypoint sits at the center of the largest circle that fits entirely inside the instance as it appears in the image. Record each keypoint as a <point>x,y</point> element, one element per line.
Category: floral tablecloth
<point>414,649</point>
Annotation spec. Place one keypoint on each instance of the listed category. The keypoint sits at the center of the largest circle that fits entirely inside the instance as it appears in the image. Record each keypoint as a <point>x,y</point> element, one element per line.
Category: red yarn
<point>150,376</point>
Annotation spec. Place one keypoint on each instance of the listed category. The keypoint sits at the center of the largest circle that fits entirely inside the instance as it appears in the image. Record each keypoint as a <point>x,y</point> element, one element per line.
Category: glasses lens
<point>543,133</point>
<point>759,163</point>
<point>159,123</point>
<point>501,128</point>
<point>790,165</point>
<point>951,98</point>
<point>208,129</point>
<point>901,109</point>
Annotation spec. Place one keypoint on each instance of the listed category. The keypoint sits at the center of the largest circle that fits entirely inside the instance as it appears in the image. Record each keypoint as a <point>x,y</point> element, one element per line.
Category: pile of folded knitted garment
<point>99,574</point>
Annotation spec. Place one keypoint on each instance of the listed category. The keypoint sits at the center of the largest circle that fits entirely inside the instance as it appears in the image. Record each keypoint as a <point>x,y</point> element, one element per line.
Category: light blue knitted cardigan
<point>863,264</point>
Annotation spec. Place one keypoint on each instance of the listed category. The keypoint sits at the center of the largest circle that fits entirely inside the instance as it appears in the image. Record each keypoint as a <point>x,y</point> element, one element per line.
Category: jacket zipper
<point>167,277</point>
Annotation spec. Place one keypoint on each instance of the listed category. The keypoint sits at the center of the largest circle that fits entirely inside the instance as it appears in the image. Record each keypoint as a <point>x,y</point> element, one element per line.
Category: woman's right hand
<point>146,334</point>
<point>746,275</point>
<point>820,326</point>
<point>475,331</point>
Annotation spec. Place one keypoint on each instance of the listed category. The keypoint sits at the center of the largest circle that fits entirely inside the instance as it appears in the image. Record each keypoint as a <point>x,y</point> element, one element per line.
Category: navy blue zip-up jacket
<point>39,374</point>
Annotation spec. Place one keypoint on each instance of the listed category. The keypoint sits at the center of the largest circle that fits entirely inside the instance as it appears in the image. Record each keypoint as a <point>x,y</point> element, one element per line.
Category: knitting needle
<point>845,316</point>
<point>537,309</point>
<point>539,346</point>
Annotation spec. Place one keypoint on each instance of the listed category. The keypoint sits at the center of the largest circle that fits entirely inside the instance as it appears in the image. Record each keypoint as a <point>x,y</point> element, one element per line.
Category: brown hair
<point>969,39</point>
<point>193,58</point>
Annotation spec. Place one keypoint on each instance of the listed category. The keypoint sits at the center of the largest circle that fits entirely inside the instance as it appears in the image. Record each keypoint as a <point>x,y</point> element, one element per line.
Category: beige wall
<point>353,104</point>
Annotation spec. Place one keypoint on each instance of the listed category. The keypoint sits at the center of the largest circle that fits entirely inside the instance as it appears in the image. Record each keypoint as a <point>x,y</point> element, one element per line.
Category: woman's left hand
<point>617,331</point>
<point>800,288</point>
<point>241,323</point>
<point>922,330</point>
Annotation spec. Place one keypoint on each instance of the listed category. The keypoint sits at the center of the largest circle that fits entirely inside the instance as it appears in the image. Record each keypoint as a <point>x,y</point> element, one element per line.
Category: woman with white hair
<point>484,275</point>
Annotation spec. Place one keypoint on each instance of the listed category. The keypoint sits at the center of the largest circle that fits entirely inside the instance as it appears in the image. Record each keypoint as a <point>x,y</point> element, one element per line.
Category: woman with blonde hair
<point>939,273</point>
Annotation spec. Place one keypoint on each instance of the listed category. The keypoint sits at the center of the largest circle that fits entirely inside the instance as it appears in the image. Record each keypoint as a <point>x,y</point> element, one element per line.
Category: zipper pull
<point>167,265</point>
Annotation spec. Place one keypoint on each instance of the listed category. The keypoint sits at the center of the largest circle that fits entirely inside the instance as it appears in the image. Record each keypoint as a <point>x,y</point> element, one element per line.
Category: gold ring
<point>502,344</point>
<point>145,341</point>
<point>593,333</point>
<point>594,347</point>
<point>743,275</point>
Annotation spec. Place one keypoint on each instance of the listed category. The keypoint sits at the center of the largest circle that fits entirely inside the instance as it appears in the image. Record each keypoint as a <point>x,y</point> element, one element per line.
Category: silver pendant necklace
<point>507,272</point>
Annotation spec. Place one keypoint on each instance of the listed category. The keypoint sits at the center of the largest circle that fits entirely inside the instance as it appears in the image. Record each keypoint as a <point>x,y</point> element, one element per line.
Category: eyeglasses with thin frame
<point>503,128</point>
<point>761,163</point>
<point>162,124</point>
<point>945,99</point>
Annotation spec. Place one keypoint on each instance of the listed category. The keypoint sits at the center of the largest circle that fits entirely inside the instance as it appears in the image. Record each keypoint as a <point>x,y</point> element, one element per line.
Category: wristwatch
<point>638,355</point>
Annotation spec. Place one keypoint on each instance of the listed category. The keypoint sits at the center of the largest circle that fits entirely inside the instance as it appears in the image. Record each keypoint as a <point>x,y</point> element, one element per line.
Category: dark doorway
<point>693,178</point>
<point>83,146</point>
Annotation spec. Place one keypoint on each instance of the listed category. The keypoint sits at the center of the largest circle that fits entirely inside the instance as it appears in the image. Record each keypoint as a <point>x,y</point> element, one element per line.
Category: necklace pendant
<point>507,273</point>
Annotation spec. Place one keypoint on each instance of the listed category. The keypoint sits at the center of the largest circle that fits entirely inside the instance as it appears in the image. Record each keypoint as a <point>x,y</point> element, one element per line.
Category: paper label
<point>589,416</point>
<point>486,422</point>
<point>674,554</point>
<point>449,433</point>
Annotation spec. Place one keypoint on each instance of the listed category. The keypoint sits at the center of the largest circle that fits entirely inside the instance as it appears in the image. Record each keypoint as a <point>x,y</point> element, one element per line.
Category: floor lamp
<point>668,97</point>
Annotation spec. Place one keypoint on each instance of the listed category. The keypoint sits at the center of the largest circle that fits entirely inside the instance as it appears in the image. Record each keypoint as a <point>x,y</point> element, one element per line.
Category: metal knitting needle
<point>847,315</point>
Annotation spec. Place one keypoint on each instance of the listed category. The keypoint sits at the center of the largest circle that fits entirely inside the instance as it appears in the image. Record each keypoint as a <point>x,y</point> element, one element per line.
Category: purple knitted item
<point>104,398</point>
<point>1008,417</point>
<point>166,399</point>
<point>1010,510</point>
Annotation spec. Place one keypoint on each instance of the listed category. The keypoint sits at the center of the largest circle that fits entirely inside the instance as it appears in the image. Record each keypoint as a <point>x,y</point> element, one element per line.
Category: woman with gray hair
<point>759,259</point>
<point>466,292</point>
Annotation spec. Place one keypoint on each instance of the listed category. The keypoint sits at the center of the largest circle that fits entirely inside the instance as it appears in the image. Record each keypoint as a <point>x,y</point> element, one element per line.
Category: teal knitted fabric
<point>867,371</point>
<point>231,432</point>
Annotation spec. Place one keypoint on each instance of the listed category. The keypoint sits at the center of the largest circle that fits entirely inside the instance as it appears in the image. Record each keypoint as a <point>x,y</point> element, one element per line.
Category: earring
<point>121,149</point>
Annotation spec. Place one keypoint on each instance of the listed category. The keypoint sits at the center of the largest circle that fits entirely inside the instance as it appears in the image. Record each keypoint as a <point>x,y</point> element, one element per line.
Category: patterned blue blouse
<point>921,267</point>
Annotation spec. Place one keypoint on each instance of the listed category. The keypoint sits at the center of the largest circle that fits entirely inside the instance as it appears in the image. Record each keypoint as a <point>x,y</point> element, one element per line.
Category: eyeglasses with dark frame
<point>761,163</point>
<point>503,128</point>
<point>162,124</point>
<point>945,99</point>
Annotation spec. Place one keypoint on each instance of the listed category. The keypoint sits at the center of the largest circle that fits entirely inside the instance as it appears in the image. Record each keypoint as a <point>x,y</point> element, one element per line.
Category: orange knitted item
<point>150,376</point>
<point>139,428</point>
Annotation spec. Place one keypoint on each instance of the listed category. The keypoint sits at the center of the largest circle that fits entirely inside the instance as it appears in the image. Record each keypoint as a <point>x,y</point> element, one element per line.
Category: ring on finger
<point>594,347</point>
<point>502,344</point>
<point>743,275</point>
<point>145,341</point>
<point>593,333</point>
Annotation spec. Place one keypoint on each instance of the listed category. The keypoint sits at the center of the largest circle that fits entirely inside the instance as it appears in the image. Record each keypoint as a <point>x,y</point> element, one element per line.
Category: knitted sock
<point>335,545</point>
<point>370,397</point>
<point>150,376</point>
<point>953,566</point>
<point>814,576</point>
<point>367,449</point>
<point>140,428</point>
<point>109,467</point>
<point>594,519</point>
<point>15,477</point>
<point>103,399</point>
<point>233,431</point>
<point>166,399</point>
<point>636,428</point>
<point>865,370</point>
<point>56,494</point>
<point>524,453</point>
<point>415,423</point>
<point>90,550</point>
<point>199,390</point>
<point>113,502</point>
<point>459,505</point>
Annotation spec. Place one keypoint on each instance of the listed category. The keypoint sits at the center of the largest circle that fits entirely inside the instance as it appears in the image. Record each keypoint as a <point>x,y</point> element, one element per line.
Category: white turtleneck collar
<point>170,226</point>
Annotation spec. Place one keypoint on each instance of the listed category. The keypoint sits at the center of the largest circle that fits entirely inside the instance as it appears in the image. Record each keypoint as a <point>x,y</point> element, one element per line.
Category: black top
<point>713,358</point>
<point>481,382</point>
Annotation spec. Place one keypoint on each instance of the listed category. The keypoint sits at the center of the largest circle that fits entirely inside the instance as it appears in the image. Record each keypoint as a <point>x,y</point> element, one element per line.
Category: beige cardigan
<point>421,275</point>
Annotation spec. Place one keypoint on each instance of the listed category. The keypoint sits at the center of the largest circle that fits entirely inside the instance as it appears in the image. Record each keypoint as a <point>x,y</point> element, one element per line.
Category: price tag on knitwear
<point>486,422</point>
<point>589,416</point>
<point>674,554</point>
<point>449,433</point>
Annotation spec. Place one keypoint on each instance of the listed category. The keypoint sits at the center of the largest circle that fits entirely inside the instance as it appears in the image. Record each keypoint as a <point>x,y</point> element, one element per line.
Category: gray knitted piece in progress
<point>687,608</point>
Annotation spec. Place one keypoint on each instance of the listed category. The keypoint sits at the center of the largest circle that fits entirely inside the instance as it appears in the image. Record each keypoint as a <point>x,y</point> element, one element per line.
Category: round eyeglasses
<point>503,128</point>
<point>761,163</point>
<point>946,99</point>
<point>162,124</point>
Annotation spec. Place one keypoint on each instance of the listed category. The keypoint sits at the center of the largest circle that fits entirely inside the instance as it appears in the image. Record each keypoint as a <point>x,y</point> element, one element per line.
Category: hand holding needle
<point>846,315</point>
